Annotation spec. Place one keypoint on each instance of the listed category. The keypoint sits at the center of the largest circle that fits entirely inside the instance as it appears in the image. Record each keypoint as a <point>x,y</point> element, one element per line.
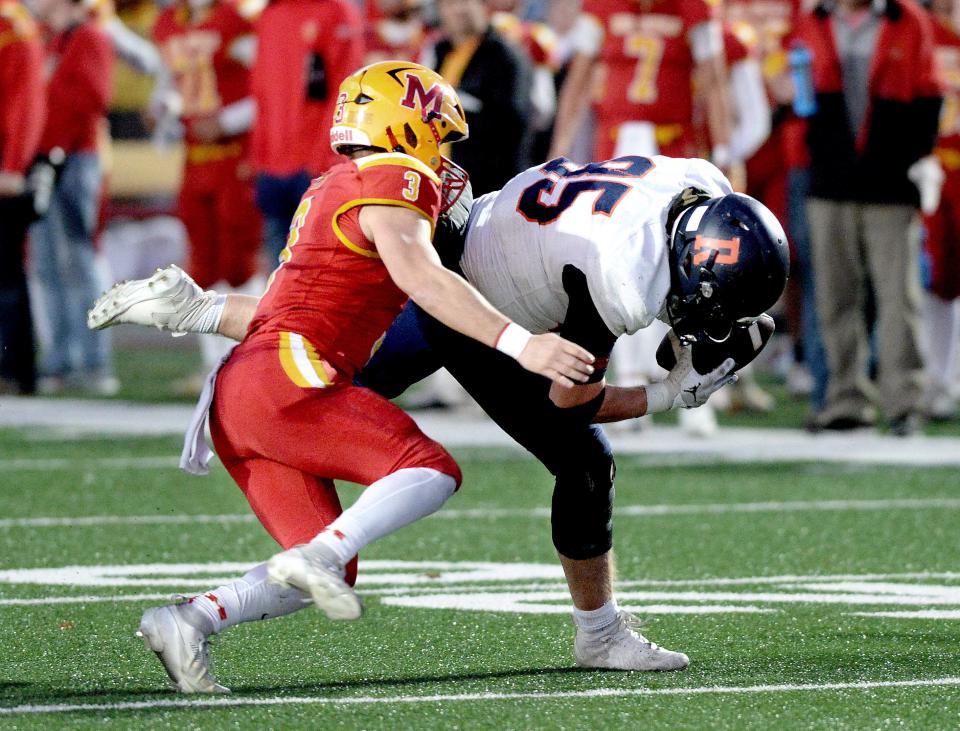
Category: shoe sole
<point>660,669</point>
<point>151,634</point>
<point>333,596</point>
<point>115,303</point>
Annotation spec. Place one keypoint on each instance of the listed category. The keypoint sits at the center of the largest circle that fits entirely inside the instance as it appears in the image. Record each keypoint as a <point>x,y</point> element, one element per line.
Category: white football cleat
<point>621,647</point>
<point>169,300</point>
<point>310,569</point>
<point>182,648</point>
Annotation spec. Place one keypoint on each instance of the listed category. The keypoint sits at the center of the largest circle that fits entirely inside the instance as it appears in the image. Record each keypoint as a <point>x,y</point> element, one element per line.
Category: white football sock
<point>943,329</point>
<point>387,505</point>
<point>250,598</point>
<point>595,621</point>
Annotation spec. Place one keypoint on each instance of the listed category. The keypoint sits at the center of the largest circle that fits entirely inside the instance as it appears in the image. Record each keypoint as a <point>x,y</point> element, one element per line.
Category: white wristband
<point>660,397</point>
<point>512,340</point>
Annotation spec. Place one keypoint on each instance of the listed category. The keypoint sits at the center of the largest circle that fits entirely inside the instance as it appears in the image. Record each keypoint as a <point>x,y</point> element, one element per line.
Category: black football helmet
<point>728,262</point>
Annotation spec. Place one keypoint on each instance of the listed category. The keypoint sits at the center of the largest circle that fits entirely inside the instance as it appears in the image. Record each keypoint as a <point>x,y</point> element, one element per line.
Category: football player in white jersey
<point>592,252</point>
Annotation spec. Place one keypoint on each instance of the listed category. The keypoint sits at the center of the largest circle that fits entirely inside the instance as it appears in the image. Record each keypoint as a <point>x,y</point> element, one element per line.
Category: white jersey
<point>606,219</point>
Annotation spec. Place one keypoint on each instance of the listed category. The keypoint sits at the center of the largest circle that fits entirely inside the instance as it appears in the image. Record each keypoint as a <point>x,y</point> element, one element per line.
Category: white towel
<point>196,453</point>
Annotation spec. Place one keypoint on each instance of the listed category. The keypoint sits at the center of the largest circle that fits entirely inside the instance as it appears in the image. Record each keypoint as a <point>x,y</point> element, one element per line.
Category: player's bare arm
<point>402,238</point>
<point>572,103</point>
<point>683,387</point>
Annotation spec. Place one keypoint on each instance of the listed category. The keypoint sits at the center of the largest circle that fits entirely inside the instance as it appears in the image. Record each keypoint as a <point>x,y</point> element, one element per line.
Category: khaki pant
<point>855,245</point>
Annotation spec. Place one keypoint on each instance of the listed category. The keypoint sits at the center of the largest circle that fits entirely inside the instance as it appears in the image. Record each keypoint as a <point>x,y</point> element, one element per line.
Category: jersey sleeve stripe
<point>371,202</point>
<point>301,363</point>
<point>397,158</point>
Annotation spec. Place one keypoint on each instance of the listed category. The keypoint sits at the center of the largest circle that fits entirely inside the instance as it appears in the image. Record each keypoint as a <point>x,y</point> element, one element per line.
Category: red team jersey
<point>948,59</point>
<point>21,87</point>
<point>646,58</point>
<point>943,227</point>
<point>198,53</point>
<point>332,299</point>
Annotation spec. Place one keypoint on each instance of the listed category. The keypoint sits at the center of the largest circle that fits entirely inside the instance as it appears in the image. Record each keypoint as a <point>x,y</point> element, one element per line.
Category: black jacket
<point>495,92</point>
<point>903,112</point>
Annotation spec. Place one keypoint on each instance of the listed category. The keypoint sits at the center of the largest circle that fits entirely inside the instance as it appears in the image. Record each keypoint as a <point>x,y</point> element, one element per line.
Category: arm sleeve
<point>753,110</point>
<point>583,324</point>
<point>133,49</point>
<point>22,104</point>
<point>587,34</point>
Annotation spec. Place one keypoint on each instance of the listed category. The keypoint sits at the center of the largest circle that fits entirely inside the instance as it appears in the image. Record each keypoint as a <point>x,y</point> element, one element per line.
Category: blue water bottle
<point>801,71</point>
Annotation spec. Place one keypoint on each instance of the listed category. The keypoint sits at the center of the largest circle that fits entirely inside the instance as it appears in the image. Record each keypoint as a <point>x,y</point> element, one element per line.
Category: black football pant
<point>516,399</point>
<point>17,349</point>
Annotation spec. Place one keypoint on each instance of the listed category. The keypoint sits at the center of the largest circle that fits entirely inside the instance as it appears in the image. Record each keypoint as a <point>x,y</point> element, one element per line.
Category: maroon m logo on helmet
<point>428,101</point>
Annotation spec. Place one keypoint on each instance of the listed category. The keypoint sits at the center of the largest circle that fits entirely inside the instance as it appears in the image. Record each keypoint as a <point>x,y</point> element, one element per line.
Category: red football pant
<point>943,240</point>
<point>222,220</point>
<point>284,444</point>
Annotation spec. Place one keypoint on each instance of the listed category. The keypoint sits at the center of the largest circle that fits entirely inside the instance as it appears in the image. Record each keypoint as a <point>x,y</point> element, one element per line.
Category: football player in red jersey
<point>208,49</point>
<point>285,418</point>
<point>641,57</point>
<point>943,229</point>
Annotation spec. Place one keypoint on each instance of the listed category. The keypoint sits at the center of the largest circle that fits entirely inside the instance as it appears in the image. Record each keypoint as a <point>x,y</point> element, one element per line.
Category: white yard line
<point>622,511</point>
<point>229,702</point>
<point>93,599</point>
<point>94,520</point>
<point>664,444</point>
<point>44,464</point>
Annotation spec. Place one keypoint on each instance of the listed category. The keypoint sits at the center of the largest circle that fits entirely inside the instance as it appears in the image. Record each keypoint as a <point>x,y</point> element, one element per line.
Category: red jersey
<point>773,21</point>
<point>537,40</point>
<point>332,298</point>
<point>947,51</point>
<point>21,88</point>
<point>305,48</point>
<point>202,55</point>
<point>646,58</point>
<point>80,88</point>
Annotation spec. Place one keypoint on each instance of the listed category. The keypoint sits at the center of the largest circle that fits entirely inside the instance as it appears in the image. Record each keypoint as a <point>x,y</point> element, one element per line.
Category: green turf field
<point>772,578</point>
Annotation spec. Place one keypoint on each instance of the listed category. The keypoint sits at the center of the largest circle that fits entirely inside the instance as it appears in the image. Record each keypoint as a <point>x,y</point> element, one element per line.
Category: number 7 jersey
<point>605,219</point>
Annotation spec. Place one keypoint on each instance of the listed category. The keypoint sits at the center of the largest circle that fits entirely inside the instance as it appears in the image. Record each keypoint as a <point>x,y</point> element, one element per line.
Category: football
<point>744,344</point>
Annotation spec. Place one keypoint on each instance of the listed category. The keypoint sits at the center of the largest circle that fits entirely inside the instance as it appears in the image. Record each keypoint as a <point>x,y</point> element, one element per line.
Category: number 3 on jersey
<point>544,201</point>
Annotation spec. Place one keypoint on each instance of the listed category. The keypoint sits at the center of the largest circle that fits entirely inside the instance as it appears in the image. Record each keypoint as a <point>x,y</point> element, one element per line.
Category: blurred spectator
<point>130,47</point>
<point>22,105</point>
<point>208,49</point>
<point>305,48</point>
<point>751,119</point>
<point>638,57</point>
<point>394,29</point>
<point>877,105</point>
<point>943,231</point>
<point>80,56</point>
<point>540,44</point>
<point>574,31</point>
<point>493,81</point>
<point>777,174</point>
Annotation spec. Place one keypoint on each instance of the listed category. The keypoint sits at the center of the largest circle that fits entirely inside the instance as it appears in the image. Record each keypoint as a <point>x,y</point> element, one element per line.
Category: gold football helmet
<point>401,106</point>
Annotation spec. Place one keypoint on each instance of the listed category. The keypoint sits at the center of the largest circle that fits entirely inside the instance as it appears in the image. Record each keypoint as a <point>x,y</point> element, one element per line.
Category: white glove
<point>684,387</point>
